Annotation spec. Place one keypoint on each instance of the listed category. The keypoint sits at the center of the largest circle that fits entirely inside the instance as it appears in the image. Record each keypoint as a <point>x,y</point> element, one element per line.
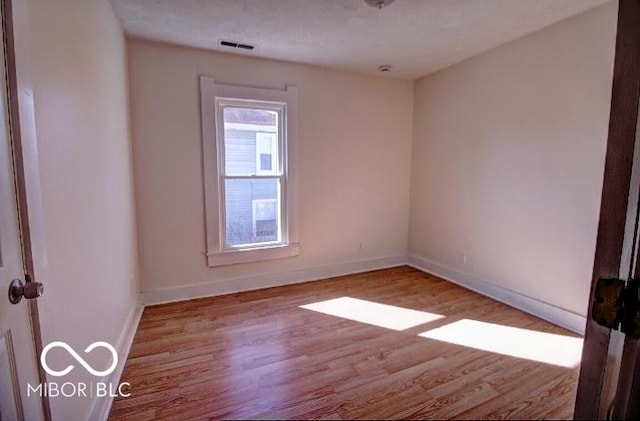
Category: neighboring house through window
<point>248,138</point>
<point>265,219</point>
<point>266,147</point>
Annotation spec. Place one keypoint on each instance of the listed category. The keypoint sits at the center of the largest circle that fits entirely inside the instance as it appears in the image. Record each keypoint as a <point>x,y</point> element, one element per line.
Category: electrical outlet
<point>462,257</point>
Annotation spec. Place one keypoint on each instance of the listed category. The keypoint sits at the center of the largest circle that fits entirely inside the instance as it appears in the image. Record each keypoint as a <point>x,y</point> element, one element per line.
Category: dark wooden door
<point>619,185</point>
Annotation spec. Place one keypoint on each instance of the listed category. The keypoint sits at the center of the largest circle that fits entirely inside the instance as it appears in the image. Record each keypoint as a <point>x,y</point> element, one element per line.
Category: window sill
<point>232,257</point>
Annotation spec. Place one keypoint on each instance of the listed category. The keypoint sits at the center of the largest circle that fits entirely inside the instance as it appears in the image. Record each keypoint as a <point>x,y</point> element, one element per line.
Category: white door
<point>17,356</point>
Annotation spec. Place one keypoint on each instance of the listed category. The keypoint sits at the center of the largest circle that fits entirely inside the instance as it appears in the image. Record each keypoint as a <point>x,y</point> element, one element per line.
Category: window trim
<point>216,253</point>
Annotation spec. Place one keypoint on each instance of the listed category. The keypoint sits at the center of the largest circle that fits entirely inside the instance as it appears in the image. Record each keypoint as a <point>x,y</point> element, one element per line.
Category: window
<point>266,146</point>
<point>265,219</point>
<point>248,143</point>
<point>251,181</point>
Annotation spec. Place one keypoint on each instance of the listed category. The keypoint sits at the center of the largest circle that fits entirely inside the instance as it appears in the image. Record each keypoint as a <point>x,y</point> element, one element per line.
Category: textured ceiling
<point>416,37</point>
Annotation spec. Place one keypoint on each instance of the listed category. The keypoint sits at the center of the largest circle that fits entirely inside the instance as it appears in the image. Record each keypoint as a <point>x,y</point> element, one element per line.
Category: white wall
<point>80,90</point>
<point>507,161</point>
<point>353,181</point>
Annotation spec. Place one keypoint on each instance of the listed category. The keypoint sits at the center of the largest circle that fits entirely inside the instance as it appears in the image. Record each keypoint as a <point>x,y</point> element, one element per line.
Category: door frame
<point>623,122</point>
<point>15,25</point>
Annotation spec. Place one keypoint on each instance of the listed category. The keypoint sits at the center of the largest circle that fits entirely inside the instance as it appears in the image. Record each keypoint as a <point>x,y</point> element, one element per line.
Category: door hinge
<point>616,305</point>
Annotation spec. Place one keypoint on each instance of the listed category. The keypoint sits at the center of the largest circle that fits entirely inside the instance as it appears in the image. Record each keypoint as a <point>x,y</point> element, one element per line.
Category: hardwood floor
<point>259,355</point>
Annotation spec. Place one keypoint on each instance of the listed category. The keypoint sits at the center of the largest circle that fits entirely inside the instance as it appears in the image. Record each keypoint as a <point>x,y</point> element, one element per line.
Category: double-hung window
<point>248,144</point>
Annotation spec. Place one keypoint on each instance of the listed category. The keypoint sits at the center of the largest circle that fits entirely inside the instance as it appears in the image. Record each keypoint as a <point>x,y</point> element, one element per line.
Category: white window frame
<point>213,96</point>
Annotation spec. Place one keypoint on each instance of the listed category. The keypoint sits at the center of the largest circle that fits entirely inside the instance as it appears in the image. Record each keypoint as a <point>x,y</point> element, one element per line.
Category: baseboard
<point>101,407</point>
<point>554,314</point>
<point>230,286</point>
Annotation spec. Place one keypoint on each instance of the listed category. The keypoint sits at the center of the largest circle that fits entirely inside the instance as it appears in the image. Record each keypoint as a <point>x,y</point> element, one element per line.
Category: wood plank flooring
<point>259,355</point>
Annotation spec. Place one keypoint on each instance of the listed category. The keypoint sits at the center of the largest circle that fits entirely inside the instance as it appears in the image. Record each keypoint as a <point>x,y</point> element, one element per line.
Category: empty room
<point>306,209</point>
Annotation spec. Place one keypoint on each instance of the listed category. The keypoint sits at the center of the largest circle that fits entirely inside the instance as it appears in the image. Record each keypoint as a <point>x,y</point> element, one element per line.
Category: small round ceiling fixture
<point>378,4</point>
<point>385,68</point>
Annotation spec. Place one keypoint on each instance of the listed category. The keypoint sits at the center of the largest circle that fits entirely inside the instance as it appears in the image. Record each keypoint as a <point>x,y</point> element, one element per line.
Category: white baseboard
<point>230,286</point>
<point>101,407</point>
<point>554,314</point>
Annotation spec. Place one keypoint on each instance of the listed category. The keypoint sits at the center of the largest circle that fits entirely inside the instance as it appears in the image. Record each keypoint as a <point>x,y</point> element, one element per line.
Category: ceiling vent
<point>231,44</point>
<point>379,4</point>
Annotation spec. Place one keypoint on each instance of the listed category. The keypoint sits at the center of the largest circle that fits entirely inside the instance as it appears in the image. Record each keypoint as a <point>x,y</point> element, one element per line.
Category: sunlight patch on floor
<point>544,347</point>
<point>381,315</point>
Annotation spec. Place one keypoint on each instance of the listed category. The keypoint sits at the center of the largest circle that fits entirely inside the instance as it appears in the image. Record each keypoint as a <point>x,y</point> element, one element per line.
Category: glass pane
<point>252,211</point>
<point>250,141</point>
<point>266,162</point>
